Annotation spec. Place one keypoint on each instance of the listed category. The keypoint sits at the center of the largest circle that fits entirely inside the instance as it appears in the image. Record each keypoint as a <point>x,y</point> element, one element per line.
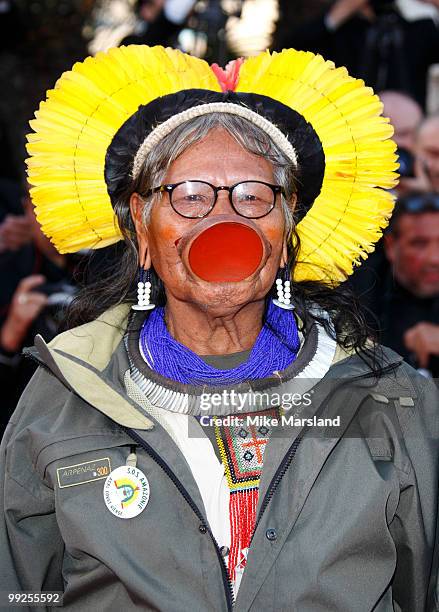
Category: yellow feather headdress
<point>76,125</point>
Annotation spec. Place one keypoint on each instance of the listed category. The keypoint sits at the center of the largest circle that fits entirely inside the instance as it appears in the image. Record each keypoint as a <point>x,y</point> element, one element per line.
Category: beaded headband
<point>168,126</point>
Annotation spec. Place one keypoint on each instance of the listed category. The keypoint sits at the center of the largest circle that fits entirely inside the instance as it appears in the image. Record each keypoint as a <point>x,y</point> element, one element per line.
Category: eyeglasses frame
<point>169,188</point>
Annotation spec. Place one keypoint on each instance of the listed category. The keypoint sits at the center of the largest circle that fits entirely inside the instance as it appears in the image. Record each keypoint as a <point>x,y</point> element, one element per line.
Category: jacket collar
<point>82,358</point>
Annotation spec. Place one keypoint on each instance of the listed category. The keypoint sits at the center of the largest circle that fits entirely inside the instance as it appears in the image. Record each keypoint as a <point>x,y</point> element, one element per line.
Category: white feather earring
<point>283,288</point>
<point>144,291</point>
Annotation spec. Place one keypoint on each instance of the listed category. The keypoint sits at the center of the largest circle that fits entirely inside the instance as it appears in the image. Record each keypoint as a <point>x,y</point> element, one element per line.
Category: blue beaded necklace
<point>275,348</point>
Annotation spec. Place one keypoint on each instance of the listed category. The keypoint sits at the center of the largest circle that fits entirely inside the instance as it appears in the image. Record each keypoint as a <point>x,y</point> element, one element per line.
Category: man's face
<point>405,118</point>
<point>414,253</point>
<point>219,160</point>
<point>405,115</point>
<point>428,150</point>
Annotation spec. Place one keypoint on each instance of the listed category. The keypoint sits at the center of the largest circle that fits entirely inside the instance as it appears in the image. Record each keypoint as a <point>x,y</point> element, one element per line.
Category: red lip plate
<point>226,252</point>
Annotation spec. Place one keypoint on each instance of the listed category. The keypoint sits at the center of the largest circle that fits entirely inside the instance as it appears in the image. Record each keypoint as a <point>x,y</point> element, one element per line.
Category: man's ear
<point>136,209</point>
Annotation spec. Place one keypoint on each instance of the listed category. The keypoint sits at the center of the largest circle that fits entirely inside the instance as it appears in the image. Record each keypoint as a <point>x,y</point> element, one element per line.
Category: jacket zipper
<point>291,452</point>
<point>228,587</point>
<point>226,578</point>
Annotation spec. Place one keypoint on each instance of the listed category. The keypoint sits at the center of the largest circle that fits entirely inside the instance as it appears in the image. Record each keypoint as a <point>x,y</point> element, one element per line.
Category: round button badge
<point>126,491</point>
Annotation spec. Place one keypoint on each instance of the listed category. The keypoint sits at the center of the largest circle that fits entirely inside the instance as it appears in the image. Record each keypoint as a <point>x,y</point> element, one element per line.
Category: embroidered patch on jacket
<point>242,451</point>
<point>81,473</point>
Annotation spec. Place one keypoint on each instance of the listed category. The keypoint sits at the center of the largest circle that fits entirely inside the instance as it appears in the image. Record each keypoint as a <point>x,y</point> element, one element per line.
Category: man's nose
<point>223,205</point>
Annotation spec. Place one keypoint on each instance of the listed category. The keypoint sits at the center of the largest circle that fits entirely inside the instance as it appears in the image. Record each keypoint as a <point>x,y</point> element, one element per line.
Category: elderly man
<point>154,462</point>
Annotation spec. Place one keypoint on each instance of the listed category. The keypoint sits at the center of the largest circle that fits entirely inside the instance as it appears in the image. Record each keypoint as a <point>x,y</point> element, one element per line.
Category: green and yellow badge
<point>126,492</point>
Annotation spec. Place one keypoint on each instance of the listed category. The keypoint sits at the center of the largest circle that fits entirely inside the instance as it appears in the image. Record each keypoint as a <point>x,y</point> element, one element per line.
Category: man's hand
<point>423,341</point>
<point>343,10</point>
<point>26,305</point>
<point>421,182</point>
<point>15,231</point>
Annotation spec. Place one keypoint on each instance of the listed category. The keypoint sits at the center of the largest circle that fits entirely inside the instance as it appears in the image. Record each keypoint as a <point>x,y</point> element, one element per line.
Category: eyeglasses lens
<point>253,199</point>
<point>193,199</point>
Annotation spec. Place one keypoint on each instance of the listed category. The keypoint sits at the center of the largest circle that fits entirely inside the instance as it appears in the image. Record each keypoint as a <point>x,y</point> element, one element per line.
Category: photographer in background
<point>373,40</point>
<point>405,115</point>
<point>36,282</point>
<point>425,175</point>
<point>427,149</point>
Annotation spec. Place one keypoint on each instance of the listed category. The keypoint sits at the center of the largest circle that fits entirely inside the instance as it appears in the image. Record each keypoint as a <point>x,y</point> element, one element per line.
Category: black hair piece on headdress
<point>127,140</point>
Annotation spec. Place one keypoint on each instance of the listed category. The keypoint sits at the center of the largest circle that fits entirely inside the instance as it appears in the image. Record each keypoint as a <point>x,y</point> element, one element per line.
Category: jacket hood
<point>79,358</point>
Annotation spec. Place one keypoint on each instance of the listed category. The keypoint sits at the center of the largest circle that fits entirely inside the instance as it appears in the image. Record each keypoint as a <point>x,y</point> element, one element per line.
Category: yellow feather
<point>352,208</point>
<point>73,128</point>
<point>75,125</point>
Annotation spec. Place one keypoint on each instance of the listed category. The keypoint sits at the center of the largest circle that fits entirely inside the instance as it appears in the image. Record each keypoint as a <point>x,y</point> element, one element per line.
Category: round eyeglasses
<point>194,199</point>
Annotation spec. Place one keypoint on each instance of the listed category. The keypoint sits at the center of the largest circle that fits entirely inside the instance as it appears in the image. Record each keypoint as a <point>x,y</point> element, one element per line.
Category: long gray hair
<point>118,284</point>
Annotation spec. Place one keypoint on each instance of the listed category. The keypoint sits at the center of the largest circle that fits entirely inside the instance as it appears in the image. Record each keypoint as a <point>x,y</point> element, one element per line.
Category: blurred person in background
<point>428,151</point>
<point>159,21</point>
<point>405,299</point>
<point>426,167</point>
<point>405,115</point>
<point>36,281</point>
<point>297,12</point>
<point>373,40</point>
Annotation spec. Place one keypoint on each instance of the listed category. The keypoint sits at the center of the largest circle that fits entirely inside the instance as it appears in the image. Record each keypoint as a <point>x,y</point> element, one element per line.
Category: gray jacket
<point>346,519</point>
